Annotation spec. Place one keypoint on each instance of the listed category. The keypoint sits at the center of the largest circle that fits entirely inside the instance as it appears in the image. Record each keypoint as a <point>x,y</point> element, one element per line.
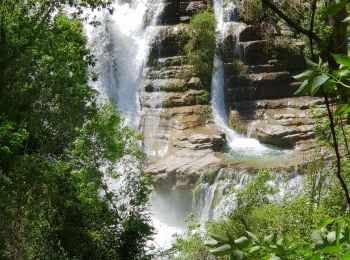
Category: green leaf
<point>335,8</point>
<point>238,255</point>
<point>311,63</point>
<point>345,73</point>
<point>330,250</point>
<point>211,243</point>
<point>220,238</point>
<point>303,89</point>
<point>305,74</point>
<point>325,222</point>
<point>275,258</point>
<point>342,59</point>
<point>254,249</point>
<point>346,256</point>
<point>242,241</point>
<point>270,238</point>
<point>317,83</point>
<point>316,257</point>
<point>346,20</point>
<point>252,236</point>
<point>221,251</point>
<point>342,109</point>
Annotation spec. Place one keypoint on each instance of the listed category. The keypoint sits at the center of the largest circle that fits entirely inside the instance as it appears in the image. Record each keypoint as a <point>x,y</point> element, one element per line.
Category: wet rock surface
<point>180,136</point>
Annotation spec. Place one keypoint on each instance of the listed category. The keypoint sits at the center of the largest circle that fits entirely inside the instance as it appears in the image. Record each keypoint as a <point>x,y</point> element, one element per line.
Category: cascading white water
<point>238,143</point>
<point>121,46</point>
<point>216,196</point>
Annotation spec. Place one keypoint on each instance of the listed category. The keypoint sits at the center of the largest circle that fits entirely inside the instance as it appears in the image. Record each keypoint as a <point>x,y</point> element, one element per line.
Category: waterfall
<point>225,19</point>
<point>216,192</point>
<point>121,46</point>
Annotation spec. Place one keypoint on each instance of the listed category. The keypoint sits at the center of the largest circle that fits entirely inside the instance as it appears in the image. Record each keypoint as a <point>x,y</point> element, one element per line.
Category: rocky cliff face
<point>180,136</point>
<point>260,92</point>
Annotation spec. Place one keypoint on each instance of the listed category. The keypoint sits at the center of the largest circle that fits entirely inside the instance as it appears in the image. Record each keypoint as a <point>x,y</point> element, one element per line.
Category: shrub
<point>167,103</point>
<point>203,99</point>
<point>201,46</point>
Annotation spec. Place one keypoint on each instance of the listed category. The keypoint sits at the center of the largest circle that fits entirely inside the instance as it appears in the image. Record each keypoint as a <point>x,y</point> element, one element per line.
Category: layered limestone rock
<point>260,91</point>
<point>180,136</point>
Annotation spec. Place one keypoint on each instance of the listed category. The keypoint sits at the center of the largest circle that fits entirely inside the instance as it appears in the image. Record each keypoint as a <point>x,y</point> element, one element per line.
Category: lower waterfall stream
<point>121,45</point>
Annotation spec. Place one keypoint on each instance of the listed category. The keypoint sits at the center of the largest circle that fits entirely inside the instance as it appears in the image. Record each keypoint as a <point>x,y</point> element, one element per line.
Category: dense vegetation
<point>314,222</point>
<point>59,148</point>
<point>200,48</point>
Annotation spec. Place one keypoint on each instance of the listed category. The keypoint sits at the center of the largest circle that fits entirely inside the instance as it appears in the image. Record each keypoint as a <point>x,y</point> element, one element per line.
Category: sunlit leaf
<point>311,63</point>
<point>252,236</point>
<point>305,74</point>
<point>345,256</point>
<point>303,89</point>
<point>325,222</point>
<point>317,83</point>
<point>221,251</point>
<point>331,250</point>
<point>254,249</point>
<point>241,240</point>
<point>219,237</point>
<point>342,59</point>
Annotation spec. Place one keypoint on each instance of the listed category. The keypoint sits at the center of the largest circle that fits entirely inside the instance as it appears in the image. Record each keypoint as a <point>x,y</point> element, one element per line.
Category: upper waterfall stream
<point>240,147</point>
<point>121,45</point>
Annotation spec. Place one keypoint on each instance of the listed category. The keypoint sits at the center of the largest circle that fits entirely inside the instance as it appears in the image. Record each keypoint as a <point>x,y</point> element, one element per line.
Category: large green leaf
<point>237,255</point>
<point>304,75</point>
<point>219,237</point>
<point>242,241</point>
<point>317,83</point>
<point>252,236</point>
<point>254,249</point>
<point>211,243</point>
<point>221,250</point>
<point>325,222</point>
<point>342,59</point>
<point>345,256</point>
<point>311,63</point>
<point>331,250</point>
<point>335,8</point>
<point>303,89</point>
<point>270,238</point>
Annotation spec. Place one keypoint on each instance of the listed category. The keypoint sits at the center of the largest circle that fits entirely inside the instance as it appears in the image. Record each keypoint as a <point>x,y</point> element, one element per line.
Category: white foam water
<point>238,143</point>
<point>121,46</point>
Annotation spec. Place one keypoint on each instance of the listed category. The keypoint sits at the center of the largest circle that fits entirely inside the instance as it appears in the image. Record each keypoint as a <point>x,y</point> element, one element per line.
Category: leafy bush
<point>203,99</point>
<point>201,46</point>
<point>167,103</point>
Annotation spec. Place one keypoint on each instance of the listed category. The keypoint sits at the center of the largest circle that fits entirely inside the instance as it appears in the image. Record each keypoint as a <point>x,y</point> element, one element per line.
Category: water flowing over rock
<point>226,128</point>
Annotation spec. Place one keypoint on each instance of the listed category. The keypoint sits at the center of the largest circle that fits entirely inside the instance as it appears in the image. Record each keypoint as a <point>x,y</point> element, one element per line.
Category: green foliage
<point>58,149</point>
<point>210,176</point>
<point>191,244</point>
<point>181,87</point>
<point>167,103</point>
<point>322,243</point>
<point>203,99</point>
<point>317,78</point>
<point>201,47</point>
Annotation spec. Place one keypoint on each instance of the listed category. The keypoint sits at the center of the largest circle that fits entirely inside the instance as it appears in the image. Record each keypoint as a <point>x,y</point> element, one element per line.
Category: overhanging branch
<point>290,22</point>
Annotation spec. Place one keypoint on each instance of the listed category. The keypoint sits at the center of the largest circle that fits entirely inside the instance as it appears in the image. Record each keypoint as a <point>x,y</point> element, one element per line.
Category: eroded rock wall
<point>260,90</point>
<point>180,136</point>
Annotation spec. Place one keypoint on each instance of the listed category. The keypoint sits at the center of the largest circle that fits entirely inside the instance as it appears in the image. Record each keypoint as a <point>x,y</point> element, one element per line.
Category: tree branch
<point>290,22</point>
<point>336,150</point>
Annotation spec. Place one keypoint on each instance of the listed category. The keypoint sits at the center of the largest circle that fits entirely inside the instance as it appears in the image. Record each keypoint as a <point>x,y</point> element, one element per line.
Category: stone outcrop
<point>260,91</point>
<point>176,11</point>
<point>180,136</point>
